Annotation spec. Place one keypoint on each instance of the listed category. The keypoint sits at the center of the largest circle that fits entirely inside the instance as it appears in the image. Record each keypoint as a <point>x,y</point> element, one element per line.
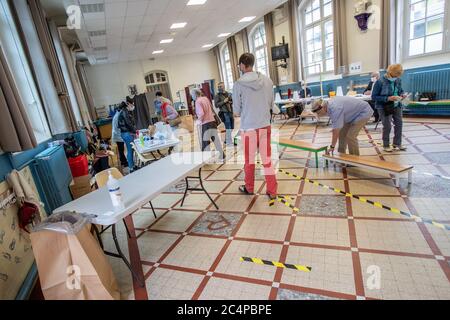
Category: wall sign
<point>356,67</point>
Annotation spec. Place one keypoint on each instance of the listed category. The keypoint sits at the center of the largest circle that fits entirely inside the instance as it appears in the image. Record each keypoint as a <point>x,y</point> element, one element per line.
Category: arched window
<point>258,46</point>
<point>226,67</point>
<point>156,77</point>
<point>317,25</point>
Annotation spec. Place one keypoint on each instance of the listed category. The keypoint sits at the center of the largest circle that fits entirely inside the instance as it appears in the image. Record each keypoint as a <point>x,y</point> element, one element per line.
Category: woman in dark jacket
<point>128,129</point>
<point>388,94</point>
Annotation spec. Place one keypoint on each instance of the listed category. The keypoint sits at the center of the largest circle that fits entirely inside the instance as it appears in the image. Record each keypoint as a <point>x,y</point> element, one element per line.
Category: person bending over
<point>348,116</point>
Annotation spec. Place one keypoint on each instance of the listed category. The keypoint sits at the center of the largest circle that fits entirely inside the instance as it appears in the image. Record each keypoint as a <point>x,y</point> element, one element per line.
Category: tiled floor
<point>355,250</point>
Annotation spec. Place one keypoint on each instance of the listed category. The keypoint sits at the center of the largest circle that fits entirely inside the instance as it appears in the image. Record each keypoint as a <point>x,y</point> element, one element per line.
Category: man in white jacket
<point>253,101</point>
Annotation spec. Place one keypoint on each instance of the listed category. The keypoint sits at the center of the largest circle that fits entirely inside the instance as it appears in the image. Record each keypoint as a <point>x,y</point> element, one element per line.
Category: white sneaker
<point>388,149</point>
<point>400,148</point>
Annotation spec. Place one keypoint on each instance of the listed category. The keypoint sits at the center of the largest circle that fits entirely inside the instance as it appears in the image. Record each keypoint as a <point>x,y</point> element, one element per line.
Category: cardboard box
<point>187,122</point>
<point>81,186</point>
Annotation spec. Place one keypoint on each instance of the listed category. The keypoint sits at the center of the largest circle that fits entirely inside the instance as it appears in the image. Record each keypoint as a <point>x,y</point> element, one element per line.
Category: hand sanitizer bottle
<point>141,138</point>
<point>114,192</point>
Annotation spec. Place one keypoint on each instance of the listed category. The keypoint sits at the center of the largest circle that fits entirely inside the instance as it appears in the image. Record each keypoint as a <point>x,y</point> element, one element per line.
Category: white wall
<point>284,75</point>
<point>364,46</point>
<point>109,82</point>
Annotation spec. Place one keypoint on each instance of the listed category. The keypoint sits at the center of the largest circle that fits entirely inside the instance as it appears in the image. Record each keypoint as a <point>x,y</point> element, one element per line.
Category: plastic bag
<point>66,222</point>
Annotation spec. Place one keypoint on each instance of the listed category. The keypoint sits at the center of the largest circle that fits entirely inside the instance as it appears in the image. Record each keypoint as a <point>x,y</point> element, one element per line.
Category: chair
<point>102,179</point>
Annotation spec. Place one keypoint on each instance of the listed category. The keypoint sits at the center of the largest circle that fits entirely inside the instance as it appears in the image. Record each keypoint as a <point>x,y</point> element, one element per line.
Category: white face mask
<point>374,79</point>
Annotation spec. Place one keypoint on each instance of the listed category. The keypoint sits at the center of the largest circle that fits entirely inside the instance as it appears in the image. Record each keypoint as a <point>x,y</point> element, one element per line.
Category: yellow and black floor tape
<point>276,264</point>
<point>285,201</point>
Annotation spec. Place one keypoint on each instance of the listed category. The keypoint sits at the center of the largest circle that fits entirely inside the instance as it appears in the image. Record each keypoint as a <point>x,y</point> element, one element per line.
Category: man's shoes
<point>272,197</point>
<point>244,190</point>
<point>400,148</point>
<point>388,149</point>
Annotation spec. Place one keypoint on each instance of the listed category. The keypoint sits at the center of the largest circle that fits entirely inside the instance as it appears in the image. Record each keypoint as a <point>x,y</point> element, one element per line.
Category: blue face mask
<point>393,79</point>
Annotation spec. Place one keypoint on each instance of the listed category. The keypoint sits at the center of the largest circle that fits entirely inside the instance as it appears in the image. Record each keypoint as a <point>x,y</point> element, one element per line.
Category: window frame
<point>406,26</point>
<point>229,82</point>
<point>253,48</point>
<point>31,92</point>
<point>323,20</point>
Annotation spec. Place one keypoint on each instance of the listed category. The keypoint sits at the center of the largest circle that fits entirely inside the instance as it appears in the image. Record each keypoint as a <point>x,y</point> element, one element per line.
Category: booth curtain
<point>16,133</point>
<point>232,50</point>
<point>48,48</point>
<point>216,51</point>
<point>86,89</point>
<point>270,41</point>
<point>294,43</point>
<point>69,57</point>
<point>385,39</point>
<point>340,37</point>
<point>244,36</point>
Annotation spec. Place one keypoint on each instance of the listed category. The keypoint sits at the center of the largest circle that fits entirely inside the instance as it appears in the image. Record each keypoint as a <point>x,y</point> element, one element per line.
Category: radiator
<point>53,173</point>
<point>431,81</point>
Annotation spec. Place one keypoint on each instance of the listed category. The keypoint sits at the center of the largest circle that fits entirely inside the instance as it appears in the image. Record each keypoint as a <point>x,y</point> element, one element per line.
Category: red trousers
<point>254,140</point>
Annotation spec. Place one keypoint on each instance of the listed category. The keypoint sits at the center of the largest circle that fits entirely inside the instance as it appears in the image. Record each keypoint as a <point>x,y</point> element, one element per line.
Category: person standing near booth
<point>368,92</point>
<point>205,117</point>
<point>128,129</point>
<point>116,137</point>
<point>253,100</point>
<point>224,102</point>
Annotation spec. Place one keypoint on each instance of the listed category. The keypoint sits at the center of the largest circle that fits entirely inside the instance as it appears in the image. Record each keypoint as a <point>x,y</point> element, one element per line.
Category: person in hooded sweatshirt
<point>253,102</point>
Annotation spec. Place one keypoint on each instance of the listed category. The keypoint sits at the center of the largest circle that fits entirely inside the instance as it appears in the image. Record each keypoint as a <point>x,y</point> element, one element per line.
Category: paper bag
<point>73,267</point>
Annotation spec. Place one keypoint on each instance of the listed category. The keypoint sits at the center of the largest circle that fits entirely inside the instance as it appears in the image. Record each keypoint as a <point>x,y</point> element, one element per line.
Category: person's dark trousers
<point>210,133</point>
<point>375,111</point>
<point>229,125</point>
<point>397,117</point>
<point>128,138</point>
<point>123,158</point>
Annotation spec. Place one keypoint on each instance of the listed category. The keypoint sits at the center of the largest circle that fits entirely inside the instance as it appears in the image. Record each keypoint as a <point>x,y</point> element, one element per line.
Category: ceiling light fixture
<point>208,45</point>
<point>167,41</point>
<point>196,2</point>
<point>223,35</point>
<point>247,19</point>
<point>158,51</point>
<point>179,25</point>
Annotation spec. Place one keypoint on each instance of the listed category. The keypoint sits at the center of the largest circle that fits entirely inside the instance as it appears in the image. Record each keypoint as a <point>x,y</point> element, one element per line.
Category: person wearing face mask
<point>205,118</point>
<point>128,129</point>
<point>224,102</point>
<point>388,94</point>
<point>368,92</point>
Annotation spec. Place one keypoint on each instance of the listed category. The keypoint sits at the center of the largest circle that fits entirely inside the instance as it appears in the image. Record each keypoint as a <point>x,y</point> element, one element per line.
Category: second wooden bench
<point>395,169</point>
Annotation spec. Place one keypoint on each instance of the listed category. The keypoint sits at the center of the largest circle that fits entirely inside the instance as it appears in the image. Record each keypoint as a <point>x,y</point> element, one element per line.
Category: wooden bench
<point>305,146</point>
<point>382,166</point>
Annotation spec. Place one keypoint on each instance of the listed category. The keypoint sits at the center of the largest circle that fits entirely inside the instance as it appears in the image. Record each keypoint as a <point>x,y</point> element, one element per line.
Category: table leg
<point>201,184</point>
<point>125,260</point>
<point>410,177</point>
<point>317,159</point>
<point>153,209</point>
<point>202,188</point>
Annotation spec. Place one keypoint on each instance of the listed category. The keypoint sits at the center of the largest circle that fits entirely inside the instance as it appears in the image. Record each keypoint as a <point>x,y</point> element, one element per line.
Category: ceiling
<point>134,28</point>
